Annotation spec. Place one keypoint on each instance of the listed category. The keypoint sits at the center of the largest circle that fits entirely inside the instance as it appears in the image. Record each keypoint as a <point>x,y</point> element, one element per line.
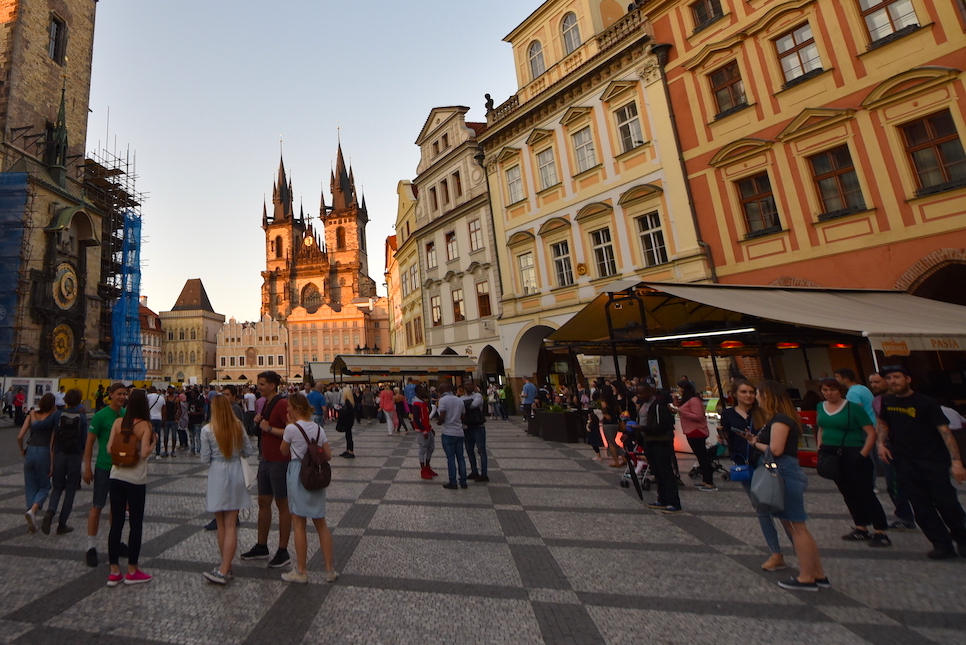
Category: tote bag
<point>767,486</point>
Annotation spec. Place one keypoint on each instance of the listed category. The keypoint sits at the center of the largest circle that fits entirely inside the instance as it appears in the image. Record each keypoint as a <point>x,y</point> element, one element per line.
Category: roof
<point>478,128</point>
<point>398,364</point>
<point>882,316</point>
<point>193,297</point>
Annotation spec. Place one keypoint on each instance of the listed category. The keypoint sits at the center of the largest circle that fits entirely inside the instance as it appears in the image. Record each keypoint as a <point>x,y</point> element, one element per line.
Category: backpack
<point>474,416</point>
<point>67,434</point>
<point>316,472</point>
<point>196,409</point>
<point>125,449</point>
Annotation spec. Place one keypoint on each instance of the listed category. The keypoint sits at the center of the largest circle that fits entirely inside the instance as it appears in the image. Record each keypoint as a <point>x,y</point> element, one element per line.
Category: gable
<point>539,135</point>
<point>812,120</point>
<point>553,225</point>
<point>902,86</point>
<point>616,89</point>
<point>739,150</point>
<point>575,115</point>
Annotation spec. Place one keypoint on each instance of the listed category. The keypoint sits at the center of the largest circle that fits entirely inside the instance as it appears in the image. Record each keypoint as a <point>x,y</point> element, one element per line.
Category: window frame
<point>483,304</point>
<point>528,273</point>
<point>457,184</point>
<point>459,305</point>
<point>431,260</point>
<point>570,33</point>
<point>604,257</point>
<point>796,50</point>
<point>758,197</point>
<point>452,246</point>
<point>548,178</point>
<point>563,270</point>
<point>657,254</point>
<point>514,184</point>
<point>581,156</point>
<point>739,99</point>
<point>627,141</point>
<point>57,39</point>
<point>535,59</point>
<point>836,175</point>
<point>713,9</point>
<point>476,234</point>
<point>883,6</point>
<point>934,143</point>
<point>436,310</point>
<point>434,200</point>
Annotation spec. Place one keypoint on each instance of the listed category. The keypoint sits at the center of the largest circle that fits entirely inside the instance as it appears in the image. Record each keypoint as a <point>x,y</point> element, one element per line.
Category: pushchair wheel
<point>646,485</point>
<point>625,483</point>
<point>695,473</point>
<point>725,477</point>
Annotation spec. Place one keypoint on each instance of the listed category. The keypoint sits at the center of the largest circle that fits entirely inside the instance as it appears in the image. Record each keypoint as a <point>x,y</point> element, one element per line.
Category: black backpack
<point>474,416</point>
<point>316,473</point>
<point>67,434</point>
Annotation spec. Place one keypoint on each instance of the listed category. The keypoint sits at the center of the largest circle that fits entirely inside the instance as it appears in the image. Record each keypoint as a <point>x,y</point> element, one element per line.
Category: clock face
<point>65,286</point>
<point>62,342</point>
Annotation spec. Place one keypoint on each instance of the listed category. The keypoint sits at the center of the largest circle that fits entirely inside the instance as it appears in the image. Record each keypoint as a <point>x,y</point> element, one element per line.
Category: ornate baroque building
<point>246,348</point>
<point>192,328</point>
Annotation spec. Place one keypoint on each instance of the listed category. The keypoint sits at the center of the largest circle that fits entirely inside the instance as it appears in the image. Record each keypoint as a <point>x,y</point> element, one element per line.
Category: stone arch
<point>528,349</point>
<point>311,298</point>
<point>788,281</point>
<point>927,266</point>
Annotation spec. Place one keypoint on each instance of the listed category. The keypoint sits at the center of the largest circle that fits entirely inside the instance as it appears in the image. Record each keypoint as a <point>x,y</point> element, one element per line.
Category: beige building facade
<point>191,329</point>
<point>585,180</point>
<point>152,341</point>
<point>243,349</point>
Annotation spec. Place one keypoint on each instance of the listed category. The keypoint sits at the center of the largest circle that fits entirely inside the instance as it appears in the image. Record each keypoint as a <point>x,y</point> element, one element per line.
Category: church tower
<point>345,238</point>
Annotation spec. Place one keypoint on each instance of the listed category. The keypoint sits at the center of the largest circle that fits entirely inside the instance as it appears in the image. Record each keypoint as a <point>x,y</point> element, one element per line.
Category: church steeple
<point>343,194</point>
<point>282,195</point>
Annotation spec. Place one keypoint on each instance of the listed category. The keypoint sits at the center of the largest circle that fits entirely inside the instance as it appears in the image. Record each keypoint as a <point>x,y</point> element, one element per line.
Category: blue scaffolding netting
<point>127,363</point>
<point>13,202</point>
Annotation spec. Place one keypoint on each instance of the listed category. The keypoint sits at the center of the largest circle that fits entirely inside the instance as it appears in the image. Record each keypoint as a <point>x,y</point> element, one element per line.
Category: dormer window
<point>535,55</point>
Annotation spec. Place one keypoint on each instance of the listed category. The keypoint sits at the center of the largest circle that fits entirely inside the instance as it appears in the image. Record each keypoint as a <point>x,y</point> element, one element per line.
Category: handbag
<point>248,473</point>
<point>742,472</point>
<point>767,486</point>
<point>381,415</point>
<point>829,464</point>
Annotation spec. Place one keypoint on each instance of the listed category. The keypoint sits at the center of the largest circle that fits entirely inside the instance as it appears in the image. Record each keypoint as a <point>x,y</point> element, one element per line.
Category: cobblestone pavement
<point>550,550</point>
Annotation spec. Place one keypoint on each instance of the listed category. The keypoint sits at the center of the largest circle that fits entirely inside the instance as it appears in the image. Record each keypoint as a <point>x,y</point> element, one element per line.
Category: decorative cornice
<point>592,210</point>
<point>902,86</point>
<point>640,193</point>
<point>520,238</point>
<point>575,114</point>
<point>616,88</point>
<point>539,135</point>
<point>739,150</point>
<point>812,120</point>
<point>553,225</point>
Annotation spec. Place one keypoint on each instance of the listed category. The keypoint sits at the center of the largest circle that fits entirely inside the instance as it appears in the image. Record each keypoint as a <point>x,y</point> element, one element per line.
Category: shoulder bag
<point>829,464</point>
<point>767,486</point>
<point>742,472</point>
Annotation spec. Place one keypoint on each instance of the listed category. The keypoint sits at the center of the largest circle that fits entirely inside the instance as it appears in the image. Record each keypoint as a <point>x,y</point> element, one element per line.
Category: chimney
<point>143,300</point>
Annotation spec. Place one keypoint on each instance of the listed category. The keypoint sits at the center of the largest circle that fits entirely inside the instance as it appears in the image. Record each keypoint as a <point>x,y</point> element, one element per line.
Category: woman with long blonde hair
<point>780,431</point>
<point>224,444</point>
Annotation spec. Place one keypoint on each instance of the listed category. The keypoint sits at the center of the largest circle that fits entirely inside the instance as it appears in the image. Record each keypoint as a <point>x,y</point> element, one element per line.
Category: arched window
<point>340,238</point>
<point>535,54</point>
<point>180,358</point>
<point>278,247</point>
<point>191,360</point>
<point>180,377</point>
<point>311,298</point>
<point>170,357</point>
<point>194,334</point>
<point>571,33</point>
<point>180,334</point>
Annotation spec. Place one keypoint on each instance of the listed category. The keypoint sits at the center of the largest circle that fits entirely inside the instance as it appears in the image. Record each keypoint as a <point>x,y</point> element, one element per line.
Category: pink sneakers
<point>114,579</point>
<point>136,578</point>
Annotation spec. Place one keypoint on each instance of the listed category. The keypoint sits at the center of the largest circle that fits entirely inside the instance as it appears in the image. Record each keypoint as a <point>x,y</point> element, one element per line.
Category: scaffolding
<point>109,184</point>
<point>14,245</point>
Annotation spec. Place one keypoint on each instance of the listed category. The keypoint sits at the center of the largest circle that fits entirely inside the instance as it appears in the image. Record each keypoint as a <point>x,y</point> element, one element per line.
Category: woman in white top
<point>224,445</point>
<point>303,503</point>
<point>128,489</point>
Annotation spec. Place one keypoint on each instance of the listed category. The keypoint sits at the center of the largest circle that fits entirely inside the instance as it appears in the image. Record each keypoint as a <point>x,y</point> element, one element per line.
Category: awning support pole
<point>610,335</point>
<point>765,363</point>
<point>875,359</point>
<point>717,376</point>
<point>808,365</point>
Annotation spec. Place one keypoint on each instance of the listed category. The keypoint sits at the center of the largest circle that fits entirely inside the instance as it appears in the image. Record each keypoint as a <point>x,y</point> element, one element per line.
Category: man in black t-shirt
<point>914,435</point>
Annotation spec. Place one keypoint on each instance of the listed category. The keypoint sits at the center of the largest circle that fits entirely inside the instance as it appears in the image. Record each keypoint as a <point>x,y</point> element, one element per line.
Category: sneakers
<point>880,540</point>
<point>672,510</point>
<point>450,486</point>
<point>482,478</point>
<point>295,576</point>
<point>31,518</point>
<point>45,524</point>
<point>215,576</point>
<point>942,553</point>
<point>331,576</point>
<point>281,559</point>
<point>473,476</point>
<point>823,583</point>
<point>657,506</point>
<point>114,579</point>
<point>858,535</point>
<point>792,584</point>
<point>63,529</point>
<point>257,552</point>
<point>91,557</point>
<point>775,563</point>
<point>212,525</point>
<point>706,489</point>
<point>899,525</point>
<point>347,454</point>
<point>136,578</point>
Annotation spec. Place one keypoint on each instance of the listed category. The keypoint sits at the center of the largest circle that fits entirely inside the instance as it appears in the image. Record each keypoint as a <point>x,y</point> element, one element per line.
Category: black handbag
<point>829,464</point>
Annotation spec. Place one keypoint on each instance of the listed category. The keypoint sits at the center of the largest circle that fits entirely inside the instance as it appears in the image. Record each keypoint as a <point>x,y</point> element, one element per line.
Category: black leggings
<point>126,497</point>
<point>855,484</point>
<point>700,450</point>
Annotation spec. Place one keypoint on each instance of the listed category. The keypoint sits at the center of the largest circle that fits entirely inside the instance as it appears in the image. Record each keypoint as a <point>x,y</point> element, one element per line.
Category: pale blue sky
<point>201,91</point>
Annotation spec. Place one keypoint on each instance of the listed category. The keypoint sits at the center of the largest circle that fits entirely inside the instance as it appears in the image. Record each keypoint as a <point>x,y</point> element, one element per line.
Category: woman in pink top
<point>388,407</point>
<point>695,426</point>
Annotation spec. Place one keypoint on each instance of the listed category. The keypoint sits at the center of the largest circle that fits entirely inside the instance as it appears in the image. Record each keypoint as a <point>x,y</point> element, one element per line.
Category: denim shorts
<point>102,485</point>
<point>795,484</point>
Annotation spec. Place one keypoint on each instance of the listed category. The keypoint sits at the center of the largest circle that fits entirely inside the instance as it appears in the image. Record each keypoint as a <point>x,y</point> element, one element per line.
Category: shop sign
<point>902,346</point>
<point>895,348</point>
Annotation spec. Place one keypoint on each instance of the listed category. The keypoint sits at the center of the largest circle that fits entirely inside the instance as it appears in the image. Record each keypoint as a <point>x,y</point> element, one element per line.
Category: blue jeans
<point>156,425</point>
<point>195,434</point>
<point>476,438</point>
<point>319,419</point>
<point>453,447</point>
<point>36,480</point>
<point>767,525</point>
<point>171,430</point>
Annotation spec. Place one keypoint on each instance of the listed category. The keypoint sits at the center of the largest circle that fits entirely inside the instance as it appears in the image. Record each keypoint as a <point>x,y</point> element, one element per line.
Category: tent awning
<point>391,364</point>
<point>895,322</point>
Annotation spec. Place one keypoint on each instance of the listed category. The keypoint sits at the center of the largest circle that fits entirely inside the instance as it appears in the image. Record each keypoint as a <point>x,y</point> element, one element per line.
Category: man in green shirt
<point>99,430</point>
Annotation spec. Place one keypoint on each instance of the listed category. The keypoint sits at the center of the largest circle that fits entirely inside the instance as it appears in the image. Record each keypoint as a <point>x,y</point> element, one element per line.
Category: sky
<point>200,98</point>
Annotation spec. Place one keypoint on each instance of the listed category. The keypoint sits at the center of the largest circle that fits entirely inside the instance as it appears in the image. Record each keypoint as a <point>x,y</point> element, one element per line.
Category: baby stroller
<point>715,452</point>
<point>637,467</point>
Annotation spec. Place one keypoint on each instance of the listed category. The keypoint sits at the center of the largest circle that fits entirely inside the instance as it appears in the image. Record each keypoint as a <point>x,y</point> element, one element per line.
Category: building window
<point>483,298</point>
<point>584,149</point>
<point>457,184</point>
<point>413,282</point>
<point>295,341</point>
<point>444,187</point>
<point>278,247</point>
<point>452,252</point>
<point>705,12</point>
<point>340,238</point>
<point>445,141</point>
<point>271,360</point>
<point>652,239</point>
<point>798,54</point>
<point>548,168</point>
<point>180,334</point>
<point>280,360</point>
<point>431,255</point>
<point>436,309</point>
<point>180,358</point>
<point>459,309</point>
<point>838,185</point>
<point>758,204</point>
<point>241,361</point>
<point>886,17</point>
<point>514,184</point>
<point>433,201</point>
<point>435,148</point>
<point>936,151</point>
<point>571,33</point>
<point>231,361</point>
<point>57,41</point>
<point>345,340</point>
<point>476,235</point>
<point>325,341</point>
<point>261,361</point>
<point>603,252</point>
<point>194,334</point>
<point>535,56</point>
<point>418,329</point>
<point>170,357</point>
<point>528,273</point>
<point>728,90</point>
<point>223,361</point>
<point>561,263</point>
<point>191,359</point>
<point>409,333</point>
<point>170,335</point>
<point>629,127</point>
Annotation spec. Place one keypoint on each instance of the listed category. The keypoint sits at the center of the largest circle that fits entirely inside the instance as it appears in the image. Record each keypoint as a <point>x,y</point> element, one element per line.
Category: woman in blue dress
<point>224,444</point>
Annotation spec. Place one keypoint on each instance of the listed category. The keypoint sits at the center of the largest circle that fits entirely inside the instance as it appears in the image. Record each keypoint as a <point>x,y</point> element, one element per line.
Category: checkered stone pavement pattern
<point>551,550</point>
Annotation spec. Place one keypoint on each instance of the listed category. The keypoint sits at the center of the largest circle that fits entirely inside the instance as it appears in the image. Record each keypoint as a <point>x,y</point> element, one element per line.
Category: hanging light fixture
<point>787,345</point>
<point>841,345</point>
<point>692,343</point>
<point>731,344</point>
